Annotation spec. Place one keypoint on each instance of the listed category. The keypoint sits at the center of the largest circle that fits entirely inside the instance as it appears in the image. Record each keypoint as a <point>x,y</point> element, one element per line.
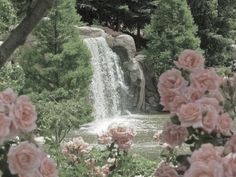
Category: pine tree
<point>59,59</point>
<point>171,30</point>
<point>216,20</point>
<point>7,17</point>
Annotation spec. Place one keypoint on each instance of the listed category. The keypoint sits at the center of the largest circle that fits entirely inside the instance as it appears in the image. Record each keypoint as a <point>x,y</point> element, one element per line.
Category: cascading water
<point>108,79</point>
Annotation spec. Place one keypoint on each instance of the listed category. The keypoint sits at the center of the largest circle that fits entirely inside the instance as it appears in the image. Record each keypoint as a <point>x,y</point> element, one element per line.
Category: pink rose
<point>174,135</point>
<point>190,60</point>
<point>166,171</point>
<point>207,153</point>
<point>205,101</point>
<point>193,93</point>
<point>167,98</point>
<point>201,169</point>
<point>224,124</point>
<point>171,80</point>
<point>24,158</point>
<point>176,104</point>
<point>217,95</point>
<point>4,126</point>
<point>206,80</point>
<point>25,114</point>
<point>210,118</point>
<point>48,168</point>
<point>190,114</point>
<point>229,162</point>
<point>104,138</point>
<point>8,96</point>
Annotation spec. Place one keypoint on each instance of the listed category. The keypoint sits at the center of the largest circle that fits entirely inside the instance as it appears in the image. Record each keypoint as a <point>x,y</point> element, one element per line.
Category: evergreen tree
<point>216,20</point>
<point>171,30</point>
<point>59,58</point>
<point>128,16</point>
<point>7,17</point>
<point>57,70</point>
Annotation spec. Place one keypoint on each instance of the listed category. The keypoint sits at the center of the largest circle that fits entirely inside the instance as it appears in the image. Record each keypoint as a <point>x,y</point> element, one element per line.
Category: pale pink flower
<point>190,114</point>
<point>48,168</point>
<point>210,118</point>
<point>166,99</point>
<point>4,126</point>
<point>166,171</point>
<point>207,153</point>
<point>174,135</point>
<point>190,60</point>
<point>205,101</point>
<point>24,158</point>
<point>201,169</point>
<point>229,162</point>
<point>224,124</point>
<point>217,95</point>
<point>176,104</point>
<point>206,80</point>
<point>25,114</point>
<point>104,138</point>
<point>193,94</point>
<point>122,136</point>
<point>171,80</point>
<point>8,96</point>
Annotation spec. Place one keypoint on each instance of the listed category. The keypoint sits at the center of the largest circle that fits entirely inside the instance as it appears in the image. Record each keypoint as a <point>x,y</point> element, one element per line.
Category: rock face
<point>131,63</point>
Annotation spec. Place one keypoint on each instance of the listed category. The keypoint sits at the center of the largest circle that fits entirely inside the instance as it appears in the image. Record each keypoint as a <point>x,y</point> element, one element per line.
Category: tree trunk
<point>18,36</point>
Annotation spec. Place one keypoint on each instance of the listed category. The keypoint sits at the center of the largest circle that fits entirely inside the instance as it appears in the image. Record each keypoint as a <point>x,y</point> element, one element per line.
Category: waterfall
<point>107,81</point>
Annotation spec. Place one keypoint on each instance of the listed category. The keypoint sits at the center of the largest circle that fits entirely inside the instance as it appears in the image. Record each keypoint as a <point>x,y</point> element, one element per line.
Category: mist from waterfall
<point>108,79</point>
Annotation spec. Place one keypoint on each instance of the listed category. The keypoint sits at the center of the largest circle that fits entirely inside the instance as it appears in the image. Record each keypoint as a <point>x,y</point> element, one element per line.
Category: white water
<point>108,79</point>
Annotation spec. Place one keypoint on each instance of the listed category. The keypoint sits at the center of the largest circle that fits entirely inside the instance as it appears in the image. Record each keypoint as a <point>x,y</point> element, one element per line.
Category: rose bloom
<point>206,80</point>
<point>193,94</point>
<point>205,101</point>
<point>207,153</point>
<point>104,138</point>
<point>24,158</point>
<point>4,125</point>
<point>229,162</point>
<point>176,104</point>
<point>210,118</point>
<point>201,169</point>
<point>166,99</point>
<point>190,115</point>
<point>174,135</point>
<point>190,60</point>
<point>8,96</point>
<point>25,114</point>
<point>224,124</point>
<point>217,95</point>
<point>230,146</point>
<point>171,80</point>
<point>48,168</point>
<point>165,171</point>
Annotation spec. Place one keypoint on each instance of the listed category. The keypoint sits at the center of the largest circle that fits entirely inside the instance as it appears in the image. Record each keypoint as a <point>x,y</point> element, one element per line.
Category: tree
<point>59,58</point>
<point>7,17</point>
<point>57,74</point>
<point>216,29</point>
<point>171,30</point>
<point>128,16</point>
<point>18,36</point>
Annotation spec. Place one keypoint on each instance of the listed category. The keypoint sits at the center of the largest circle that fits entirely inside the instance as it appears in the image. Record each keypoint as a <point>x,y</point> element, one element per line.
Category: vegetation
<point>171,30</point>
<point>60,65</point>
<point>216,29</point>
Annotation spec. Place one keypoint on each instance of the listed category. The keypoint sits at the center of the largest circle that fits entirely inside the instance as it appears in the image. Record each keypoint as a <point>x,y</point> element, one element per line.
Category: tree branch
<point>18,36</point>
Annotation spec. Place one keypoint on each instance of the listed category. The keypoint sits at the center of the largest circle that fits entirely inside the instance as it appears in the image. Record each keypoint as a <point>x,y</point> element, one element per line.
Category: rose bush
<point>195,97</point>
<point>20,155</point>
